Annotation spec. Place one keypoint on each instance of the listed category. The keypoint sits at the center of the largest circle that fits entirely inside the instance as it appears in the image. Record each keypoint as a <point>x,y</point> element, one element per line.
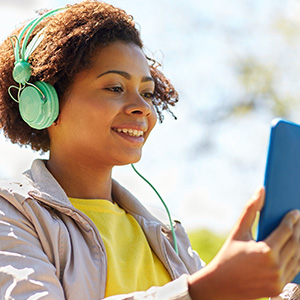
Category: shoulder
<point>14,192</point>
<point>16,188</point>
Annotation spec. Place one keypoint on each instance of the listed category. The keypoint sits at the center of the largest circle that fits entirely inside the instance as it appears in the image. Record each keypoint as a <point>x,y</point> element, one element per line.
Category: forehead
<point>120,56</point>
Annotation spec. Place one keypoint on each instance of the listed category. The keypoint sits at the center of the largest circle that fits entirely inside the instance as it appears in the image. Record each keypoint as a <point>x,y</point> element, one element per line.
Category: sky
<point>204,171</point>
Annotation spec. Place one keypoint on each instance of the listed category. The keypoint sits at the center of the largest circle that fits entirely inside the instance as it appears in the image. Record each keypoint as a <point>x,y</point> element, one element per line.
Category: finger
<point>290,255</point>
<point>290,248</point>
<point>292,270</point>
<point>279,237</point>
<point>242,229</point>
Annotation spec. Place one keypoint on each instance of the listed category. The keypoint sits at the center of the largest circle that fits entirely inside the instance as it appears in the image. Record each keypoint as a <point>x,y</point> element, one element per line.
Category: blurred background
<point>236,67</point>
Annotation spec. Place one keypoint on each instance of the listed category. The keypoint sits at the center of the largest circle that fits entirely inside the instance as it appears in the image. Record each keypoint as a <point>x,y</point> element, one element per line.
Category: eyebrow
<point>125,75</point>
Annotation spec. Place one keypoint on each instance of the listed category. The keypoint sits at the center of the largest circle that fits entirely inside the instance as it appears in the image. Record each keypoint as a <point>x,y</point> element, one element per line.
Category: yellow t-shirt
<point>132,265</point>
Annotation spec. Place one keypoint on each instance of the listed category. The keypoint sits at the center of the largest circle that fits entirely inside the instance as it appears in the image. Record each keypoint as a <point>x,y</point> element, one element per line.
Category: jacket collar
<point>47,188</point>
<point>45,185</point>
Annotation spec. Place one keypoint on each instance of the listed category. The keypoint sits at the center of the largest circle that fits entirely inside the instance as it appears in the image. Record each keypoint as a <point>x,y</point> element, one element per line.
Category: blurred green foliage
<point>206,243</point>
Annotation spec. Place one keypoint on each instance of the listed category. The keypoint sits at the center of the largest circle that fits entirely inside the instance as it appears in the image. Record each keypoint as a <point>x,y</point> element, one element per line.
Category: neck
<point>80,180</point>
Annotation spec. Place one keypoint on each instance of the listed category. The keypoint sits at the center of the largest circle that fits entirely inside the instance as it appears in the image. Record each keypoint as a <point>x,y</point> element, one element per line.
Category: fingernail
<point>296,213</point>
<point>257,193</point>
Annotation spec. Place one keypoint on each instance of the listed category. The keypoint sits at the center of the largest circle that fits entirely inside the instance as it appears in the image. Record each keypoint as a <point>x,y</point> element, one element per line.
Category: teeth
<point>131,132</point>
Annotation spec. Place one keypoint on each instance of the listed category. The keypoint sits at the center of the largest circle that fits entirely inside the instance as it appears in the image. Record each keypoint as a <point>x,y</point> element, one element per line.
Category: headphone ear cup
<point>39,105</point>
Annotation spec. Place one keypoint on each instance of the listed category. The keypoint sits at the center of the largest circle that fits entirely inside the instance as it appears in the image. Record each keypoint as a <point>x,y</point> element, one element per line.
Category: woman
<point>67,229</point>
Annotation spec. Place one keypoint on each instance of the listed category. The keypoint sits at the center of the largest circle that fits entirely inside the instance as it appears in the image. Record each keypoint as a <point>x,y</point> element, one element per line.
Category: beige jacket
<point>50,250</point>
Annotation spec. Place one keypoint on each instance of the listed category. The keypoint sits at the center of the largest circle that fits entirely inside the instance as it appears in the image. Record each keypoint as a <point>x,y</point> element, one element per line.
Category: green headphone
<point>38,102</point>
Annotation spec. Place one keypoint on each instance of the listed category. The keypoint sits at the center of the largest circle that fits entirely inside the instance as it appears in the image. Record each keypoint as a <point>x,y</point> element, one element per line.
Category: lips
<point>130,131</point>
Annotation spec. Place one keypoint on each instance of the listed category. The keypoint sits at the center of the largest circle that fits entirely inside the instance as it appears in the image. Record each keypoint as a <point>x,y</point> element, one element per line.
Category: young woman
<point>76,82</point>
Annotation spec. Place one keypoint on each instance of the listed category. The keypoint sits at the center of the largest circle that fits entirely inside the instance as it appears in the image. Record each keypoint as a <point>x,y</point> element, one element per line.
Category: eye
<point>115,89</point>
<point>148,95</point>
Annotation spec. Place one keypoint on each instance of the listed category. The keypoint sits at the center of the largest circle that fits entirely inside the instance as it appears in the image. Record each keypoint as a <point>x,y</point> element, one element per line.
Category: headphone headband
<point>20,53</point>
<point>34,24</point>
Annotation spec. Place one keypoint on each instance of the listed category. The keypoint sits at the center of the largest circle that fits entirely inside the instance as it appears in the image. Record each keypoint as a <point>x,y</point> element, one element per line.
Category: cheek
<point>154,115</point>
<point>85,111</point>
<point>152,119</point>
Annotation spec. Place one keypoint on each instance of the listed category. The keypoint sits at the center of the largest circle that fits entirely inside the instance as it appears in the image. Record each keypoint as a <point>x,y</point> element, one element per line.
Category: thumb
<point>243,228</point>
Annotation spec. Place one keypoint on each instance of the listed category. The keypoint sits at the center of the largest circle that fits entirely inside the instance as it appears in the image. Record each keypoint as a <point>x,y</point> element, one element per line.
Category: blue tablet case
<point>282,177</point>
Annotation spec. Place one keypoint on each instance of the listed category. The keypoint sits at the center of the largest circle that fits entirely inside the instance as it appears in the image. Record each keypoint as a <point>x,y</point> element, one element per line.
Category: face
<point>108,114</point>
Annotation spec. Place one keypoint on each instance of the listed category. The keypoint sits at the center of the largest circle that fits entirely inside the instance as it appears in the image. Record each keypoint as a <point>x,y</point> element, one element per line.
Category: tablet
<point>282,177</point>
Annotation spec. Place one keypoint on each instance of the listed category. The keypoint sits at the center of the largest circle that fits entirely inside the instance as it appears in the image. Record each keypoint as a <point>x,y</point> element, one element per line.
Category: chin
<point>134,159</point>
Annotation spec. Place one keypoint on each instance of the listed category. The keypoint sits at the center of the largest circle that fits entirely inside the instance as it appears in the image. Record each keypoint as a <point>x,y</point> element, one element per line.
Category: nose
<point>137,105</point>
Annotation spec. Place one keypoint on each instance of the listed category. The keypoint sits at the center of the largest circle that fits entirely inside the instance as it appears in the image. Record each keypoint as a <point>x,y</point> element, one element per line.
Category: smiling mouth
<point>130,132</point>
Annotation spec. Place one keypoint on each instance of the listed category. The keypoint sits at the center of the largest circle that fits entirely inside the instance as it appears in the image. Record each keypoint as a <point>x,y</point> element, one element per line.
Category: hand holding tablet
<point>282,177</point>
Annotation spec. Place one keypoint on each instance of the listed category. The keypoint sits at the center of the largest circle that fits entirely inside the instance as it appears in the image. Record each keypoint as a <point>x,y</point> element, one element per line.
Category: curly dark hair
<point>70,37</point>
